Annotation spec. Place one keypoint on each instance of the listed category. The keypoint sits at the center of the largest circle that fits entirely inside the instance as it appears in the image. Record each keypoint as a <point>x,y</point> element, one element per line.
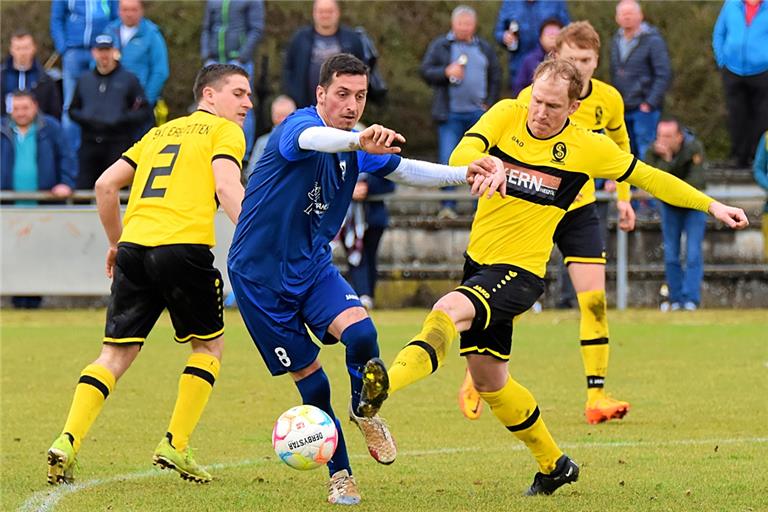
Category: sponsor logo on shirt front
<point>532,182</point>
<point>315,204</point>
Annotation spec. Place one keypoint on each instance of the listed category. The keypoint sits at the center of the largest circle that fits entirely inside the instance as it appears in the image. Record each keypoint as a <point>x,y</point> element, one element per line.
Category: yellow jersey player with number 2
<point>159,258</point>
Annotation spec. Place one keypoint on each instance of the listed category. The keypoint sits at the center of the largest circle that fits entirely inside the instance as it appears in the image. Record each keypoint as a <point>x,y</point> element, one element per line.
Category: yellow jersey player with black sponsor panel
<point>159,257</point>
<point>548,160</point>
<point>578,236</point>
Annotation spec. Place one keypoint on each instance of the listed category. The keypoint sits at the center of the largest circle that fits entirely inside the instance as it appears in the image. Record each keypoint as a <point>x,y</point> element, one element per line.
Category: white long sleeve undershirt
<point>410,172</point>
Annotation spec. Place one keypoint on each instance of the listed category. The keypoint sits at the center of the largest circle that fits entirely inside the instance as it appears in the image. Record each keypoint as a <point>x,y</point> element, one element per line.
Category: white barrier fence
<point>60,250</point>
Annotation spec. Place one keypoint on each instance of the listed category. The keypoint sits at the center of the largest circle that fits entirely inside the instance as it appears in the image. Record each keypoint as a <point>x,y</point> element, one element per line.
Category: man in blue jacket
<point>740,43</point>
<point>74,26</point>
<point>142,51</point>
<point>518,24</point>
<point>33,157</point>
<point>22,71</point>
<point>641,71</point>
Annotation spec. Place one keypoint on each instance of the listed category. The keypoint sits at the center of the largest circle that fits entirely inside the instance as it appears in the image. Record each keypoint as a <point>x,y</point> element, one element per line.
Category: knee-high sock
<point>94,386</point>
<point>425,353</point>
<point>516,408</point>
<point>195,386</point>
<point>593,333</point>
<point>316,390</point>
<point>360,342</point>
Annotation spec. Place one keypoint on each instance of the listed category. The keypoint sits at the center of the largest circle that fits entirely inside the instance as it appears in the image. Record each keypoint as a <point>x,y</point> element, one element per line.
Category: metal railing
<point>723,193</point>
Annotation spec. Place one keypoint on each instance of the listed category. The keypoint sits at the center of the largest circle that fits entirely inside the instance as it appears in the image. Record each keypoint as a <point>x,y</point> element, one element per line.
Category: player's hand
<point>361,191</point>
<point>111,261</point>
<point>626,216</point>
<point>734,218</point>
<point>487,175</point>
<point>378,140</point>
<point>61,190</point>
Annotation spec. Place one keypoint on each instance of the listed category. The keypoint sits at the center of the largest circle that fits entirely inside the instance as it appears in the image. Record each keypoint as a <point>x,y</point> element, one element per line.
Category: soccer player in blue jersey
<point>280,262</point>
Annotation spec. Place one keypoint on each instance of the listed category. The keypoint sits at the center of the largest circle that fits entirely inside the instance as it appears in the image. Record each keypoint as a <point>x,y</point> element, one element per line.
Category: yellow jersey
<point>173,195</point>
<point>602,111</point>
<point>545,176</point>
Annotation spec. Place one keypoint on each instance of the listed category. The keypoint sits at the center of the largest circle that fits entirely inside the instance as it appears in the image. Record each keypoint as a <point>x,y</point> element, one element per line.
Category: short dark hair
<point>21,32</point>
<point>561,68</point>
<point>549,21</point>
<point>211,75</point>
<point>24,93</point>
<point>341,64</point>
<point>672,119</point>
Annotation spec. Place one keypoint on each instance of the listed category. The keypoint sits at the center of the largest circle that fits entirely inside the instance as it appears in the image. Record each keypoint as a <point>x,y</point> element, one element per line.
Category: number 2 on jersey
<point>149,190</point>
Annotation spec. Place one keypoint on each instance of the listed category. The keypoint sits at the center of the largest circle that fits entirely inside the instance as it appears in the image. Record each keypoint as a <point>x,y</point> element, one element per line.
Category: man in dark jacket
<point>681,155</point>
<point>109,105</point>
<point>311,46</point>
<point>21,71</point>
<point>74,25</point>
<point>232,29</point>
<point>641,71</point>
<point>465,76</point>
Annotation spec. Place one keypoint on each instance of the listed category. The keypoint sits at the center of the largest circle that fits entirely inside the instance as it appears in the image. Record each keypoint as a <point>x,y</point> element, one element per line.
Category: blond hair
<point>579,34</point>
<point>564,70</point>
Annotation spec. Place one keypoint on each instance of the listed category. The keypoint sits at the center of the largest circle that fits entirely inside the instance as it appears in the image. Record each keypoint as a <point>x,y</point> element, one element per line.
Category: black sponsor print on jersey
<point>559,150</point>
<point>540,184</point>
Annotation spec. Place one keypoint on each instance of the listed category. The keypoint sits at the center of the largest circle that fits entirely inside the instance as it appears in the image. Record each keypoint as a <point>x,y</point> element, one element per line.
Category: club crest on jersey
<point>598,115</point>
<point>343,167</point>
<point>532,182</point>
<point>558,152</point>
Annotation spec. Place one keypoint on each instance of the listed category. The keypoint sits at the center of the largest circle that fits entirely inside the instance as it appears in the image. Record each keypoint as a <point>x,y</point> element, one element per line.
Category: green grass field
<point>695,439</point>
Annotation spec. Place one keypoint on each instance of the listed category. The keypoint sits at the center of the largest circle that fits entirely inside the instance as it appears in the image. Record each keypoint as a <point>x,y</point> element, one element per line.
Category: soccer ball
<point>304,437</point>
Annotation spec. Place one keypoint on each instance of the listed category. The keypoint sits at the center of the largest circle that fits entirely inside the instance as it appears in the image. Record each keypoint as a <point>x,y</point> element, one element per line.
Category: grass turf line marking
<point>45,501</point>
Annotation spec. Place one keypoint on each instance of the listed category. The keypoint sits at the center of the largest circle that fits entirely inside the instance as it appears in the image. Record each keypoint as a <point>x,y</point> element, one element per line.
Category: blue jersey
<point>295,202</point>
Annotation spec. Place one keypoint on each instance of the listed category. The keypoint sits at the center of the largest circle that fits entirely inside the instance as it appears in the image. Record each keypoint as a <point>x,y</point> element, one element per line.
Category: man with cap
<point>109,105</point>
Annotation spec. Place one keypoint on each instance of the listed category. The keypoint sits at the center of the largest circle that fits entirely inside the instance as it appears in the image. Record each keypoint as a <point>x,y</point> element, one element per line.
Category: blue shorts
<point>278,321</point>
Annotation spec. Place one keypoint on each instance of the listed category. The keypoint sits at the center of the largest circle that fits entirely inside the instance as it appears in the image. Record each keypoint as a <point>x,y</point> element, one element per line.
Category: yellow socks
<point>425,353</point>
<point>195,386</point>
<point>94,386</point>
<point>593,333</point>
<point>516,408</point>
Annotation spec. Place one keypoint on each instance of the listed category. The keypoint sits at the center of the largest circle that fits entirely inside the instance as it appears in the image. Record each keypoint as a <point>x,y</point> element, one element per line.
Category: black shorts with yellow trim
<point>180,277</point>
<point>579,238</point>
<point>499,293</point>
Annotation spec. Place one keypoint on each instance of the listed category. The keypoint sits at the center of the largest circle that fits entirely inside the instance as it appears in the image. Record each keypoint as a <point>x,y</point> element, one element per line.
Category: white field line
<point>45,501</point>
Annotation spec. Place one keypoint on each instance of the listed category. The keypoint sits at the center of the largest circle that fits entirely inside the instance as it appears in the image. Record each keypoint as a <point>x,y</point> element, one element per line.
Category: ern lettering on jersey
<point>532,182</point>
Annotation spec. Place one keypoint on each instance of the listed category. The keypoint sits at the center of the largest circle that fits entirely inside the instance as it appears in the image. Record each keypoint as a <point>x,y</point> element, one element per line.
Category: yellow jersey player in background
<point>548,160</point>
<point>159,257</point>
<point>578,236</point>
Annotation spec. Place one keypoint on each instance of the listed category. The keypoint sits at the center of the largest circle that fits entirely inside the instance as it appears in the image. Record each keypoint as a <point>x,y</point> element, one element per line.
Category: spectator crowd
<point>60,135</point>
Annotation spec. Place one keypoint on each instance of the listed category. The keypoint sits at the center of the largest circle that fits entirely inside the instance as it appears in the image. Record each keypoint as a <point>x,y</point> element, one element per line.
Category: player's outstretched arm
<point>229,190</point>
<point>118,175</point>
<point>733,217</point>
<point>375,139</point>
